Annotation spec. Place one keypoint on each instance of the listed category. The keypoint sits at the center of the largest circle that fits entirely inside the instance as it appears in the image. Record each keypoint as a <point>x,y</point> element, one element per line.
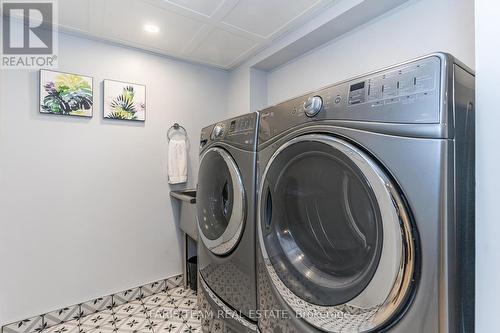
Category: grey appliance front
<point>216,316</point>
<point>397,142</point>
<point>225,212</point>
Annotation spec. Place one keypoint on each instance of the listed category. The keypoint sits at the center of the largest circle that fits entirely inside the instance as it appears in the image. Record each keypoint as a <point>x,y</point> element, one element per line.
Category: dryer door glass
<point>323,229</point>
<point>335,236</point>
<point>220,201</point>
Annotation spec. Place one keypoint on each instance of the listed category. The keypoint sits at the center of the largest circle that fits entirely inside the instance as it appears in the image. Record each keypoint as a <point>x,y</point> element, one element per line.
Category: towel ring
<point>176,128</point>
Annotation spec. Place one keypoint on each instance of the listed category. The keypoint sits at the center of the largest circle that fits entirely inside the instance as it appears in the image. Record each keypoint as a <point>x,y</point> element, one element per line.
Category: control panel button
<point>218,131</point>
<point>313,105</point>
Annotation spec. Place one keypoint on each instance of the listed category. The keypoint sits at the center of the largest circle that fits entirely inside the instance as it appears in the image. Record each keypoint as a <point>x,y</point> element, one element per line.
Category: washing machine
<point>225,203</point>
<point>366,204</point>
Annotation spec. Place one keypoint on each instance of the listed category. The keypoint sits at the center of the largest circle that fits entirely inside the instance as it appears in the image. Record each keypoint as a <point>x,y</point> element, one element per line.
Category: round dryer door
<point>335,235</point>
<point>220,201</point>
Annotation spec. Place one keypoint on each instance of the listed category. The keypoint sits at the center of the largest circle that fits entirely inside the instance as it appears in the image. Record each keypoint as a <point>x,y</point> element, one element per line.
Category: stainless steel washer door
<point>220,201</point>
<point>335,235</point>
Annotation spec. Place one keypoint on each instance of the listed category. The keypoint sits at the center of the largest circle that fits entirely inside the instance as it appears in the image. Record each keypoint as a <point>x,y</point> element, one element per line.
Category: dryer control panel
<point>405,94</point>
<point>406,85</point>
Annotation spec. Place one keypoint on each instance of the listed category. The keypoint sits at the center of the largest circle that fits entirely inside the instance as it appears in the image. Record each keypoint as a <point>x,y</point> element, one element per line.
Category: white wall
<point>487,166</point>
<point>411,30</point>
<point>238,97</point>
<point>247,90</point>
<point>258,89</point>
<point>84,203</point>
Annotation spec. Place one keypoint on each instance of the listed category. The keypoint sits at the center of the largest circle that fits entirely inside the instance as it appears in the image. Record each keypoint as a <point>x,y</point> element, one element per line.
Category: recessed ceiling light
<point>151,28</point>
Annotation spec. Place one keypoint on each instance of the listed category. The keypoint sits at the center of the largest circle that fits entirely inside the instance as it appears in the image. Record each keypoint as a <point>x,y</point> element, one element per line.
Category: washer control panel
<point>240,132</point>
<point>242,125</point>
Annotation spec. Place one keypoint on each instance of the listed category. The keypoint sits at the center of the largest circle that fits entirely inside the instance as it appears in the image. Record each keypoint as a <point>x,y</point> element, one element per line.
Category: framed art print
<point>124,100</point>
<point>66,94</point>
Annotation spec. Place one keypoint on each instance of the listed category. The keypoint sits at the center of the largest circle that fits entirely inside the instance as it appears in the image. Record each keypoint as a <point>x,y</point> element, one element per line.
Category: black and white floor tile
<point>174,310</point>
<point>30,325</point>
<point>154,310</point>
<point>61,316</point>
<point>101,306</point>
<point>96,305</point>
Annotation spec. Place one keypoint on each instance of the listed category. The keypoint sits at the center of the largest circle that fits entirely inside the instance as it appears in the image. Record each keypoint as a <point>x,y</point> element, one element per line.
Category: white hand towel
<point>177,161</point>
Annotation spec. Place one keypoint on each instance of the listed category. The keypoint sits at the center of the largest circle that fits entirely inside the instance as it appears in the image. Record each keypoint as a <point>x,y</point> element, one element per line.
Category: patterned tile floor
<point>175,310</point>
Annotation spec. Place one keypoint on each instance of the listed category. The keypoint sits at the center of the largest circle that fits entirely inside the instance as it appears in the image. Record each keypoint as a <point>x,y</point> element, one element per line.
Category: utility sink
<point>187,211</point>
<point>185,195</point>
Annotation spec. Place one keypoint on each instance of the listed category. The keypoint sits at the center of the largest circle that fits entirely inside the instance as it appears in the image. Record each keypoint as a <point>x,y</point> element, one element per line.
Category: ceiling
<point>221,33</point>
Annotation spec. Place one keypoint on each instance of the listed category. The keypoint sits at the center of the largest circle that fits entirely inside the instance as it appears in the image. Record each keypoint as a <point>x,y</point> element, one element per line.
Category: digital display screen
<point>240,125</point>
<point>232,126</point>
<point>357,86</point>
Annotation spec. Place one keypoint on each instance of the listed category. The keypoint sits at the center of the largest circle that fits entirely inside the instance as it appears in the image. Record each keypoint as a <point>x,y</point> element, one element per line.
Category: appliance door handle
<point>268,219</point>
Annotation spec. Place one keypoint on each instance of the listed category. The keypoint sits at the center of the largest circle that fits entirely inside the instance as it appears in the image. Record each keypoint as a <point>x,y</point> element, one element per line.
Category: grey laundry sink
<point>187,211</point>
<point>185,195</point>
